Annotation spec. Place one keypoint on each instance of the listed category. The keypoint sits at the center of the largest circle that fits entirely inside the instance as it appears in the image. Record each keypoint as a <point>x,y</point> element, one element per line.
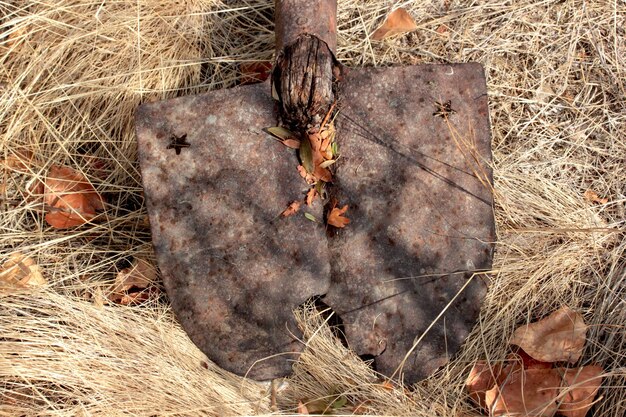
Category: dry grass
<point>71,76</point>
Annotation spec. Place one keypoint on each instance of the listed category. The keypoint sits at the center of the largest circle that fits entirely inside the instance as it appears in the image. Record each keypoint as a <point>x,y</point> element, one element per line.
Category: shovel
<point>405,277</point>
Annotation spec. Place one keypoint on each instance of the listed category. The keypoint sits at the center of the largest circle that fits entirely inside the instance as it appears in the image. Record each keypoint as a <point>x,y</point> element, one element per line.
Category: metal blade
<point>415,172</point>
<point>233,268</point>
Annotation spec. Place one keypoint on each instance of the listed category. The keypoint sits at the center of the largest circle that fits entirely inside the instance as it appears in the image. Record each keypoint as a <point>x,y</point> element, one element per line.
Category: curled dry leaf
<point>292,143</point>
<point>292,209</point>
<point>309,178</point>
<point>20,161</point>
<point>281,133</point>
<point>481,379</point>
<point>302,409</point>
<point>593,197</point>
<point>336,218</point>
<point>70,199</point>
<point>578,389</point>
<point>306,155</point>
<point>528,362</point>
<point>558,337</point>
<point>21,270</point>
<point>398,21</point>
<point>531,393</point>
<point>130,282</point>
<point>310,196</point>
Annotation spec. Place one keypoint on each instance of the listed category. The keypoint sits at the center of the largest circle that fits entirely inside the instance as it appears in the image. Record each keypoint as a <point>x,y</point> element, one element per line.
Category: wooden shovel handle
<point>314,17</point>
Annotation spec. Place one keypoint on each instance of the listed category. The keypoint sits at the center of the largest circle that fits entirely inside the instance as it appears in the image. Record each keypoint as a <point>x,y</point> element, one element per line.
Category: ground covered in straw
<point>71,76</point>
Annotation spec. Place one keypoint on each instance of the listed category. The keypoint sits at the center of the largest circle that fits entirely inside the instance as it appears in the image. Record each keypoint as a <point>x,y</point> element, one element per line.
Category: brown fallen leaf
<point>387,385</point>
<point>302,409</point>
<point>310,196</point>
<point>254,72</point>
<point>398,21</point>
<point>21,270</point>
<point>530,393</point>
<point>140,274</point>
<point>292,209</point>
<point>593,197</point>
<point>579,386</point>
<point>70,199</point>
<point>442,29</point>
<point>335,218</point>
<point>291,143</point>
<point>309,178</point>
<point>131,282</point>
<point>313,158</point>
<point>528,362</point>
<point>481,379</point>
<point>558,337</point>
<point>20,161</point>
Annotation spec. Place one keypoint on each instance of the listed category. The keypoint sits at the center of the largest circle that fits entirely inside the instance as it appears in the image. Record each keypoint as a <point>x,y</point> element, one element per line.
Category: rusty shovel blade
<point>403,276</point>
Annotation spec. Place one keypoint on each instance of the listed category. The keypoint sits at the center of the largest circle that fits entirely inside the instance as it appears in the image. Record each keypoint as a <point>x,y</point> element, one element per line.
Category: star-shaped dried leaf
<point>336,218</point>
<point>558,337</point>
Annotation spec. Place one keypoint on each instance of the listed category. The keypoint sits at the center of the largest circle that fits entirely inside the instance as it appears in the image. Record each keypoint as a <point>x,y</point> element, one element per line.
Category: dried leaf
<point>558,337</point>
<point>311,217</point>
<point>70,199</point>
<point>335,218</point>
<point>387,385</point>
<point>318,406</point>
<point>309,178</point>
<point>254,72</point>
<point>280,132</point>
<point>442,29</point>
<point>21,270</point>
<point>302,409</point>
<point>398,21</point>
<point>323,174</point>
<point>292,143</point>
<point>21,161</point>
<point>328,163</point>
<point>593,197</point>
<point>580,386</point>
<point>482,378</point>
<point>531,392</point>
<point>131,283</point>
<point>292,209</point>
<point>306,155</point>
<point>528,362</point>
<point>310,196</point>
<point>139,275</point>
<point>313,144</point>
